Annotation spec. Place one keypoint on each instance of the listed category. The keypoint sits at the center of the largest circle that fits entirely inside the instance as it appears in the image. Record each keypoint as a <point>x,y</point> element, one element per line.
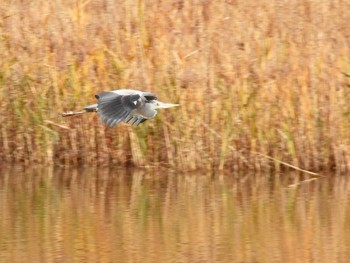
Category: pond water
<point>54,215</point>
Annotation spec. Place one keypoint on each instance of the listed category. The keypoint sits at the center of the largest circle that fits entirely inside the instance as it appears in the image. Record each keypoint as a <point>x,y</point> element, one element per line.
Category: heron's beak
<point>162,105</point>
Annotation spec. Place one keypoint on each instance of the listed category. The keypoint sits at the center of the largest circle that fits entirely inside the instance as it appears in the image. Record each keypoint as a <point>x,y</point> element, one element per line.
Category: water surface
<point>54,215</point>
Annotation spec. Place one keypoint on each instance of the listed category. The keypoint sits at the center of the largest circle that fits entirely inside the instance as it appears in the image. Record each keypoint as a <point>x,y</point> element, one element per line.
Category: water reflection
<point>86,215</point>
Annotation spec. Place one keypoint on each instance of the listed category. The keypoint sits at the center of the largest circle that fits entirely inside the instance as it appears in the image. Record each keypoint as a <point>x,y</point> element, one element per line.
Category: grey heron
<point>130,106</point>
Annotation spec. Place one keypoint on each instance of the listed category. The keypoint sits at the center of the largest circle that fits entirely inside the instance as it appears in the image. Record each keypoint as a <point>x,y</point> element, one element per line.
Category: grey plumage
<point>130,106</point>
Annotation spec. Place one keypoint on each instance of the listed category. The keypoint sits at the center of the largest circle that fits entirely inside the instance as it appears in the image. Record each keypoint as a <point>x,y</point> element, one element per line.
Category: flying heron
<point>130,106</point>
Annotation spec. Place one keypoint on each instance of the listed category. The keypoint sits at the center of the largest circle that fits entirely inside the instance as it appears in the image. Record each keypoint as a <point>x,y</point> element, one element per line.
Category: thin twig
<point>287,164</point>
<point>267,156</point>
<point>192,53</point>
<point>56,124</point>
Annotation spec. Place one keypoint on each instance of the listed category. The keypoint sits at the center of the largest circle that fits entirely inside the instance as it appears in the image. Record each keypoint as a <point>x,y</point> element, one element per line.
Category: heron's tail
<point>90,108</point>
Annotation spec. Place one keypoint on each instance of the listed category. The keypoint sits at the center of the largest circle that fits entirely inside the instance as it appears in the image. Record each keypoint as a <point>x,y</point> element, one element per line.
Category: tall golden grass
<point>252,77</point>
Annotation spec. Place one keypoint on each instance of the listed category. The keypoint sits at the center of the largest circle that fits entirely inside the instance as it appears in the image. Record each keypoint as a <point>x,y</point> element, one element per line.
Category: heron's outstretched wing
<point>114,108</point>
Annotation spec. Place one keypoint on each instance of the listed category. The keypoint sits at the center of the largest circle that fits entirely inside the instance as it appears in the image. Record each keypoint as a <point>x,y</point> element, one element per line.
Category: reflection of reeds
<point>114,216</point>
<point>265,76</point>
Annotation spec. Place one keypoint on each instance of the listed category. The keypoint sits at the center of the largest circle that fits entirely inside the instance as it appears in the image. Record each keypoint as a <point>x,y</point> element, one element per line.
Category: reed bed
<point>254,79</point>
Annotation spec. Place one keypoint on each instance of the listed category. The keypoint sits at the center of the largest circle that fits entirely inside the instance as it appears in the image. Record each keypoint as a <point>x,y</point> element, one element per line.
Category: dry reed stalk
<point>265,78</point>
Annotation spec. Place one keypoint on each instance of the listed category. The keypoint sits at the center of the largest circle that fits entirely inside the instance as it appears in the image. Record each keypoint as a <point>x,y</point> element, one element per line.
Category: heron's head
<point>161,105</point>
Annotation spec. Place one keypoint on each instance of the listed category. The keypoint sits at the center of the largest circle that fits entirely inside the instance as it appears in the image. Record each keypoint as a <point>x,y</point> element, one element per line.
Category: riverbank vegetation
<point>255,79</point>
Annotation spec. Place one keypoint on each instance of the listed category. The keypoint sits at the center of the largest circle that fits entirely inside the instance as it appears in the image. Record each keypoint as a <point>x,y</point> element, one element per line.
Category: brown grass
<point>251,76</point>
